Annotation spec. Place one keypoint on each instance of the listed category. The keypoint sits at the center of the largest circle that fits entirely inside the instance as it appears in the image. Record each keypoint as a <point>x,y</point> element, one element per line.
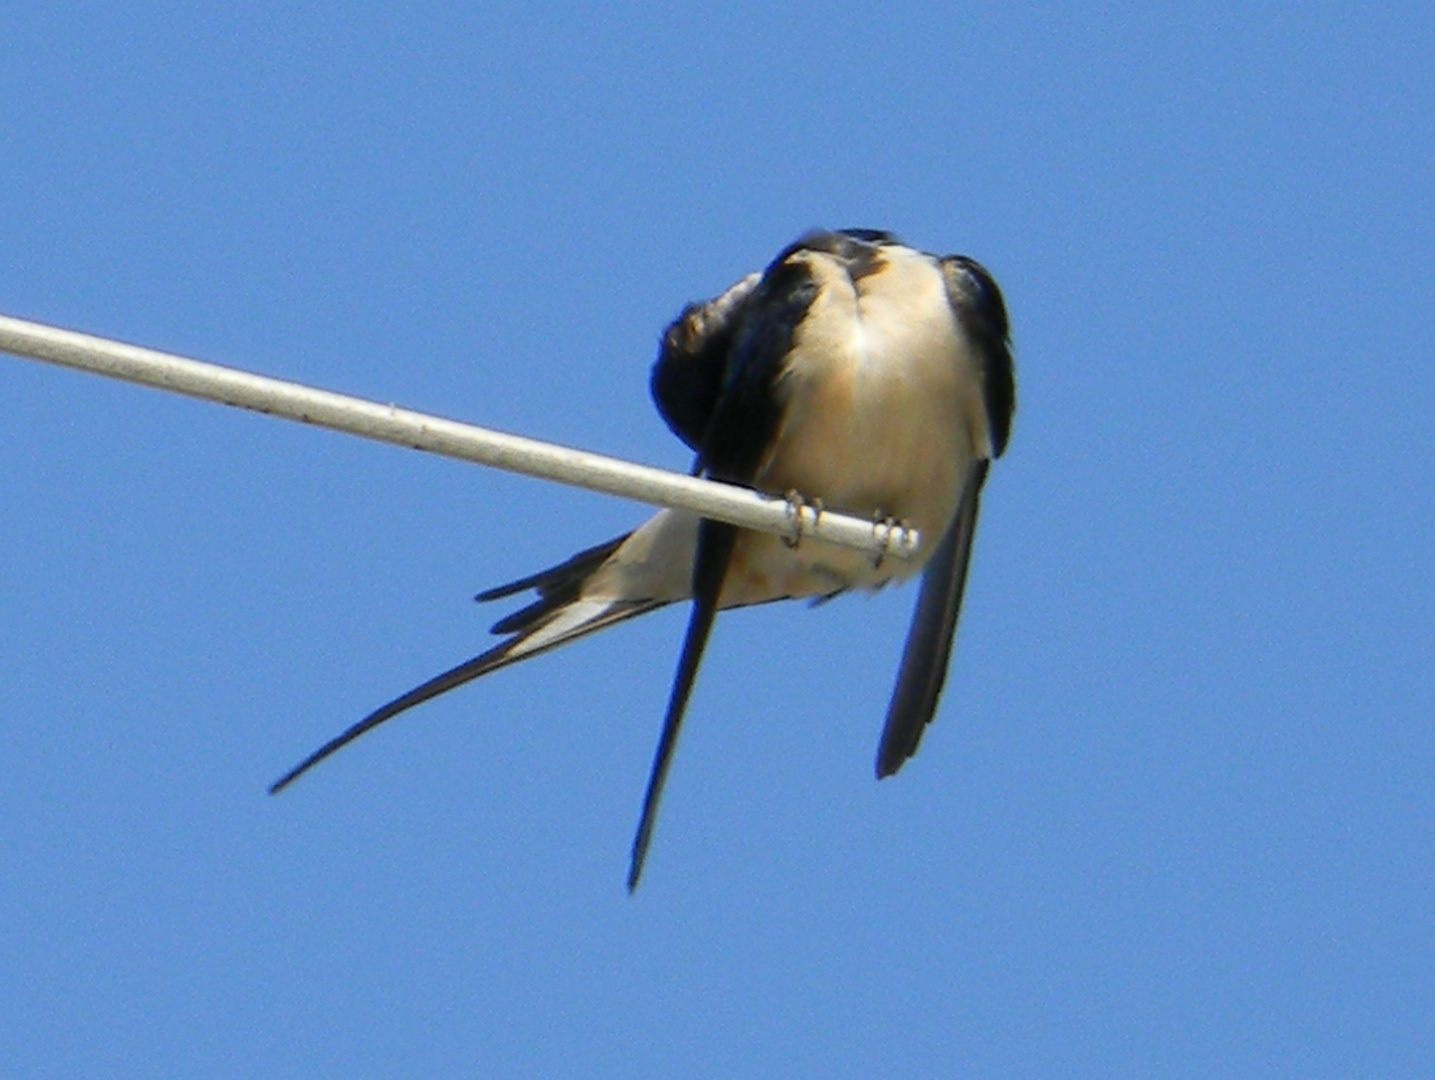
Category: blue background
<point>1176,816</point>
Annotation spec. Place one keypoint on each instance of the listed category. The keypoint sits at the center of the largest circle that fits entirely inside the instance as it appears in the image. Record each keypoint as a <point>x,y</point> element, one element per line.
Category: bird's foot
<point>796,503</point>
<point>884,525</point>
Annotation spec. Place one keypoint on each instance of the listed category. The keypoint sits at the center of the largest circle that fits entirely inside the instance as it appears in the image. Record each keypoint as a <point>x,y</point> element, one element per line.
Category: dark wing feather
<point>934,628</point>
<point>687,378</point>
<point>557,587</point>
<point>715,544</point>
<point>739,433</point>
<point>978,305</point>
<point>557,579</point>
<point>466,672</point>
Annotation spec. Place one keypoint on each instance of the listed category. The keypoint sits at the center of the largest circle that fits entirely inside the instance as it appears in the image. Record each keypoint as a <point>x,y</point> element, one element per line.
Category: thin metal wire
<point>403,427</point>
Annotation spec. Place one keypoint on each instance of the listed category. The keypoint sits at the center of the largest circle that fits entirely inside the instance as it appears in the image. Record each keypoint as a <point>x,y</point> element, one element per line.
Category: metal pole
<point>388,423</point>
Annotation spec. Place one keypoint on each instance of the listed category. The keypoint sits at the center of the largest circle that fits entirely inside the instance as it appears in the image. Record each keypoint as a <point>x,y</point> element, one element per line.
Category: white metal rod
<point>388,423</point>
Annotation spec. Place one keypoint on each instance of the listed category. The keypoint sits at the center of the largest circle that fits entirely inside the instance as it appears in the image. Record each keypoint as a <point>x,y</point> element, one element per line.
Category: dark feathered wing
<point>928,651</point>
<point>977,303</point>
<point>741,421</point>
<point>687,377</point>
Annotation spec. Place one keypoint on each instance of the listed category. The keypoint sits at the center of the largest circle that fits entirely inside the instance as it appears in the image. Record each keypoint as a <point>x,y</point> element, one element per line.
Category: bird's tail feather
<point>558,616</point>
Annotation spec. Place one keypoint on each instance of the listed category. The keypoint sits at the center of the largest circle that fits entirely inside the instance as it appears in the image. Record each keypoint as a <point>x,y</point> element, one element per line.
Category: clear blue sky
<point>1177,815</point>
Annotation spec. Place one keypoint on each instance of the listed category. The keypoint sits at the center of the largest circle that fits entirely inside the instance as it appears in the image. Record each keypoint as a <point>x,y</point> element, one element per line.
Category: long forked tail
<point>557,617</point>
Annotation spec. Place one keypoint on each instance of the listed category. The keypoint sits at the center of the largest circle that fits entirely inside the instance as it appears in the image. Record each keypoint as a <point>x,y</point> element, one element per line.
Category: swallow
<point>854,373</point>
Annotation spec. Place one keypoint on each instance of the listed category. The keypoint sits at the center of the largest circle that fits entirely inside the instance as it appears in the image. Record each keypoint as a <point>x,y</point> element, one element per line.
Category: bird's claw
<point>796,503</point>
<point>885,525</point>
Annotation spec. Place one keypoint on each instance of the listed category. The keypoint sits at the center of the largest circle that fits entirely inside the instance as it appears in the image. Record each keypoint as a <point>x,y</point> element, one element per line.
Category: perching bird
<point>854,373</point>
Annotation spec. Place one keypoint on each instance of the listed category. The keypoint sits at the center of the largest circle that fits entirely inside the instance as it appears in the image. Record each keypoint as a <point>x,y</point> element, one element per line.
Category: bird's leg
<point>796,503</point>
